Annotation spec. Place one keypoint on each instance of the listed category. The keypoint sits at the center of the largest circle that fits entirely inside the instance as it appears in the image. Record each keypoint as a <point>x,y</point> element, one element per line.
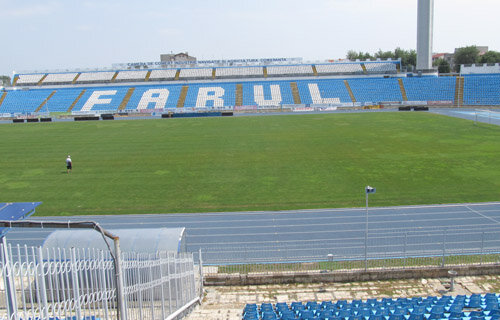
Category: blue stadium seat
<point>306,315</point>
<point>376,317</point>
<point>327,305</point>
<point>344,313</point>
<point>416,316</point>
<point>478,90</point>
<point>396,317</point>
<point>328,313</point>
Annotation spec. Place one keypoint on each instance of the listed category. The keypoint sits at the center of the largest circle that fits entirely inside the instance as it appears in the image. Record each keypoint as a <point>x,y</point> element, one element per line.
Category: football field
<point>281,162</point>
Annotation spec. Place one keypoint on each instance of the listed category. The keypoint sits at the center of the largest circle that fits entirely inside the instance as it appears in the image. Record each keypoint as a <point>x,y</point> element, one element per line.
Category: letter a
<point>160,100</point>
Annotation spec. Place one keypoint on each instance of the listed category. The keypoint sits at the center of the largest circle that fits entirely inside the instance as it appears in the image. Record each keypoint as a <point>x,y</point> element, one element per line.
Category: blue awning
<point>16,211</point>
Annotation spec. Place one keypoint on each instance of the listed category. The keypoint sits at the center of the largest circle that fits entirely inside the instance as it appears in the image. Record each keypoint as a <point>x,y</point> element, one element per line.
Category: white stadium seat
<point>239,71</point>
<point>196,73</point>
<point>30,78</point>
<point>339,68</point>
<point>131,75</point>
<point>102,76</point>
<point>162,74</point>
<point>305,69</point>
<point>58,78</point>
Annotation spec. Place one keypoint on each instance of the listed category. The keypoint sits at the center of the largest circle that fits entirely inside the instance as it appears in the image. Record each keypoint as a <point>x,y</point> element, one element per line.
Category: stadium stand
<point>131,75</point>
<point>482,90</point>
<point>59,78</point>
<point>235,72</point>
<point>251,93</point>
<point>267,93</point>
<point>153,97</point>
<point>62,100</point>
<point>378,67</point>
<point>430,88</point>
<point>23,101</point>
<point>339,68</point>
<point>29,79</point>
<point>375,89</point>
<point>162,74</point>
<point>471,307</point>
<point>96,77</point>
<point>297,70</point>
<point>201,95</point>
<point>196,73</point>
<point>343,84</point>
<point>333,68</point>
<point>326,90</point>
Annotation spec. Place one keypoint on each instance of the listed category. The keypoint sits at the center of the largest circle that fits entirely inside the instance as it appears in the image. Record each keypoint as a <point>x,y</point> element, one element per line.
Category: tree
<point>490,57</point>
<point>408,57</point>
<point>353,55</point>
<point>465,55</point>
<point>384,54</point>
<point>5,80</point>
<point>443,65</point>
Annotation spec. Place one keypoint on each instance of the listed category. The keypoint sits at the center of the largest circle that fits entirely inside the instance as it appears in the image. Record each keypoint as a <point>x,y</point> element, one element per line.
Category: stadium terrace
<point>264,86</point>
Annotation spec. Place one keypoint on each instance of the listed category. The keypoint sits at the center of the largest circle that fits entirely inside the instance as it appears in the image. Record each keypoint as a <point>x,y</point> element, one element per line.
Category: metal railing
<point>393,251</point>
<point>81,284</point>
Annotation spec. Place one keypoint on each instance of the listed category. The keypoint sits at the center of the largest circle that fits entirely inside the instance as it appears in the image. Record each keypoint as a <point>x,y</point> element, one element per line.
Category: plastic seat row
<point>32,79</point>
<point>474,307</point>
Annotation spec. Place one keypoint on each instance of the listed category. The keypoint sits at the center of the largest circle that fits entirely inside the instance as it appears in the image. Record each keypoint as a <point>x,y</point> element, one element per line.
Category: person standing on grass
<point>69,164</point>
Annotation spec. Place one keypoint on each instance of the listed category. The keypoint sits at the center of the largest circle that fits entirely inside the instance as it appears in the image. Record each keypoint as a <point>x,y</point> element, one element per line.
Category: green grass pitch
<point>249,163</point>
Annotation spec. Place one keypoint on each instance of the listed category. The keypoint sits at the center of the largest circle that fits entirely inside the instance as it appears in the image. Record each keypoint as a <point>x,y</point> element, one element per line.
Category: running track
<point>305,235</point>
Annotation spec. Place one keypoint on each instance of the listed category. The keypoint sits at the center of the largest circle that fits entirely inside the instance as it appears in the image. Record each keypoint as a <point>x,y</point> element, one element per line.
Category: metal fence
<point>81,284</point>
<point>394,250</point>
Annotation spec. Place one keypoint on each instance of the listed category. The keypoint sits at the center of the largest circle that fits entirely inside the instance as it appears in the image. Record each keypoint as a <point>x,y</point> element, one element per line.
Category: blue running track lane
<point>307,235</point>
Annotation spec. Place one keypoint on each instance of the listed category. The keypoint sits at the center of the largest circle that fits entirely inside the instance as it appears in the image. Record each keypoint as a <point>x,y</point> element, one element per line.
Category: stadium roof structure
<point>14,211</point>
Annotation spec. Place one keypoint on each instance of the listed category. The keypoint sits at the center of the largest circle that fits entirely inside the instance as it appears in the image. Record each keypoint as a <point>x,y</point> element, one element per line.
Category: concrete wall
<point>354,276</point>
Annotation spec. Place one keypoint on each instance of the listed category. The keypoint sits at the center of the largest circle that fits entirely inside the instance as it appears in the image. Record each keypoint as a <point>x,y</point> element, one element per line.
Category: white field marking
<point>334,224</point>
<point>208,214</point>
<point>482,215</point>
<point>423,230</point>
<point>310,218</point>
<point>321,240</point>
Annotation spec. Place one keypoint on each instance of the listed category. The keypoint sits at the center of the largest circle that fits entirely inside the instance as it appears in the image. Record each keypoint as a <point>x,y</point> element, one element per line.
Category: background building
<point>177,57</point>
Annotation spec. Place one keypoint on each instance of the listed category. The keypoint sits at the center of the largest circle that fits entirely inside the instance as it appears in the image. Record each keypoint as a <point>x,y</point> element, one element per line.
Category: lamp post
<point>368,190</point>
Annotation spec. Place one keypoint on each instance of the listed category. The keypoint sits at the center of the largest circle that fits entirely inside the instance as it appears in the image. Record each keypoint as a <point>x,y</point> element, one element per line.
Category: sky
<point>71,34</point>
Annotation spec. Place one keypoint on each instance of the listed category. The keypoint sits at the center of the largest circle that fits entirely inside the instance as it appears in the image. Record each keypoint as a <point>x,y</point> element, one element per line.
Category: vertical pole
<point>119,281</point>
<point>75,283</point>
<point>44,309</point>
<point>404,250</point>
<point>160,256</point>
<point>176,282</point>
<point>201,274</point>
<point>482,247</point>
<point>169,275</point>
<point>104,288</point>
<point>444,248</point>
<point>366,234</point>
<point>9,283</point>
